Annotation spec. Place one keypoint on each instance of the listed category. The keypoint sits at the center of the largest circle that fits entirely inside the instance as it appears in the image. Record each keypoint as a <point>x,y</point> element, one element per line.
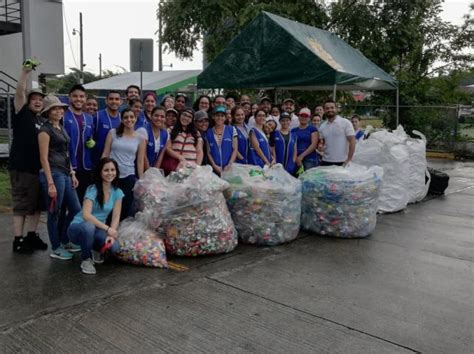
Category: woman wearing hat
<point>307,136</point>
<point>57,178</point>
<point>283,144</point>
<point>221,142</point>
<point>186,143</point>
<point>259,153</point>
<point>126,146</point>
<point>238,120</point>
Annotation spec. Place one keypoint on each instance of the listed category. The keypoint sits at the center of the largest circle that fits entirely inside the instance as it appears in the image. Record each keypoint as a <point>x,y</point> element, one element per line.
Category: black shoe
<point>35,242</point>
<point>20,245</point>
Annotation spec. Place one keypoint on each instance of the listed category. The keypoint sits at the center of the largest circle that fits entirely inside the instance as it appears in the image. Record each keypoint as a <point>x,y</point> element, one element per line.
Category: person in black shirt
<point>24,166</point>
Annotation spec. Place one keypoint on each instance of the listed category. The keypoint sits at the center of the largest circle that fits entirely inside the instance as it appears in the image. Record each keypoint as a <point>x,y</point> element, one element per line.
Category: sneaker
<point>97,257</point>
<point>72,247</point>
<point>20,245</point>
<point>61,253</point>
<point>87,266</point>
<point>35,241</point>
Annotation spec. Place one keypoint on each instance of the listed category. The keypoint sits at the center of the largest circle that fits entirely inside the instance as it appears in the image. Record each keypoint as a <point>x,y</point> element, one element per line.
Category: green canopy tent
<point>274,52</point>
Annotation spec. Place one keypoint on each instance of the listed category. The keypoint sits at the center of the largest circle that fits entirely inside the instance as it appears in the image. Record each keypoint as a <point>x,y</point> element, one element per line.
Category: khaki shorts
<point>25,193</point>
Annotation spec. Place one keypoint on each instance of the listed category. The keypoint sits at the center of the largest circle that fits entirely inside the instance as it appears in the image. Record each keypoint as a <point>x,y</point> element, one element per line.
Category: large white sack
<point>390,152</point>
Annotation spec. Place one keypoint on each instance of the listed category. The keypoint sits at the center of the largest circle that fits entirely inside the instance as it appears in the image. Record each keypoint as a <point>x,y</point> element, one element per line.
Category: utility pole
<point>100,65</point>
<point>81,47</point>
<point>160,46</point>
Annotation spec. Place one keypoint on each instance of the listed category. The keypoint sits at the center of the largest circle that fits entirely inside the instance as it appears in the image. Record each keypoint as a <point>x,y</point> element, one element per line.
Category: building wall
<point>42,31</point>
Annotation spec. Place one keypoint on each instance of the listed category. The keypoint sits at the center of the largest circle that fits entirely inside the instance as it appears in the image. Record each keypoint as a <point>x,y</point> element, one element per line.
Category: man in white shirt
<point>289,107</point>
<point>339,137</point>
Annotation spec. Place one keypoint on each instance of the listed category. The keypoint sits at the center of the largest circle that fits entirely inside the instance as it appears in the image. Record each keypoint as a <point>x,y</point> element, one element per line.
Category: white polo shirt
<point>335,139</point>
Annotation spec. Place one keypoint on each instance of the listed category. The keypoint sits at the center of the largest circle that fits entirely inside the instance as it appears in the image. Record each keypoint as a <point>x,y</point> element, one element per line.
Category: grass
<point>5,195</point>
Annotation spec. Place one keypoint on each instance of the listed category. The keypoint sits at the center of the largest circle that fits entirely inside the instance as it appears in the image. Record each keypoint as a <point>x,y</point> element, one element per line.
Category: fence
<point>447,128</point>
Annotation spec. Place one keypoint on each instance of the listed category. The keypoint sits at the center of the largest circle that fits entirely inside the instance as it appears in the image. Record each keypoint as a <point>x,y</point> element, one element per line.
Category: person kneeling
<point>89,228</point>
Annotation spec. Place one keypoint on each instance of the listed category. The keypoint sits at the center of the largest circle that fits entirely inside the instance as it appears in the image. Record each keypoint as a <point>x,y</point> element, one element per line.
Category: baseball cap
<point>285,115</point>
<point>172,110</point>
<point>265,98</point>
<point>305,111</point>
<point>36,91</point>
<point>220,109</point>
<point>288,100</point>
<point>200,115</point>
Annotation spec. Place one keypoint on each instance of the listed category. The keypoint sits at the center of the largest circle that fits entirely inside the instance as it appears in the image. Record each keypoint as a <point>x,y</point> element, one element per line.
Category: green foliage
<point>407,39</point>
<point>62,84</point>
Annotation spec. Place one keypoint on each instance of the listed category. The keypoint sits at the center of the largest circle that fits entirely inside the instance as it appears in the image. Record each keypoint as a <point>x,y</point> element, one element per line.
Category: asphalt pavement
<point>409,287</point>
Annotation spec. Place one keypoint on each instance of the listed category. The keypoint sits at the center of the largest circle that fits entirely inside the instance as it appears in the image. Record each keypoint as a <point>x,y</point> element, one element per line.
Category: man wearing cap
<point>171,118</point>
<point>289,107</point>
<point>201,121</point>
<point>266,106</point>
<point>24,165</point>
<point>339,137</point>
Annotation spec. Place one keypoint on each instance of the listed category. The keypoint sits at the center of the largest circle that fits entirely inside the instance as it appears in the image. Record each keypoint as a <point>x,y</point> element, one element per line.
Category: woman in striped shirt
<point>186,142</point>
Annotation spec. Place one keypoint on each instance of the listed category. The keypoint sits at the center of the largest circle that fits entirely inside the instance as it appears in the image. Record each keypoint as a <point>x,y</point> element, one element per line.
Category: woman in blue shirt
<point>259,153</point>
<point>283,144</point>
<point>307,136</point>
<point>238,120</point>
<point>89,228</point>
<point>221,142</point>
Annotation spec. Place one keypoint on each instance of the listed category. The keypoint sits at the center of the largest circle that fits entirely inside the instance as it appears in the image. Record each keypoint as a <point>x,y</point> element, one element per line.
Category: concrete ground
<point>407,288</point>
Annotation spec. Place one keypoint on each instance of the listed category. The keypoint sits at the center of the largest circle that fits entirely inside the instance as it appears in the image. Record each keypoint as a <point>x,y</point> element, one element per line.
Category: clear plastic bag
<point>139,244</point>
<point>188,208</point>
<point>341,201</point>
<point>265,203</point>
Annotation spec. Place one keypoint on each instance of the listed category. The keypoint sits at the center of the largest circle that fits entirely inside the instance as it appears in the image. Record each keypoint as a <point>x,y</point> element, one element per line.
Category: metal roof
<point>152,81</point>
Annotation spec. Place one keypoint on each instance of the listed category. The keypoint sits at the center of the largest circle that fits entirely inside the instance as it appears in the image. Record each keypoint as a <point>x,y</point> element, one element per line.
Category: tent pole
<point>334,92</point>
<point>398,105</point>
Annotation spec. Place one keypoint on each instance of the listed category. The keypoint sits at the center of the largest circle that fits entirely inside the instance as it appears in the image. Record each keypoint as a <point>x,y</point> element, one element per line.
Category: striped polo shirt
<point>185,145</point>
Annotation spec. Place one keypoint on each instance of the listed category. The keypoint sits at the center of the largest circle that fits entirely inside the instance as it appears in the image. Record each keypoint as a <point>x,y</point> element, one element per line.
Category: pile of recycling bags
<point>341,202</point>
<point>403,160</point>
<point>265,203</point>
<point>189,210</point>
<point>140,245</point>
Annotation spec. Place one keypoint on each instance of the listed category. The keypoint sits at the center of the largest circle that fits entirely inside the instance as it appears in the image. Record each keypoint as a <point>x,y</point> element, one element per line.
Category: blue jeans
<point>307,164</point>
<point>66,196</point>
<point>89,237</point>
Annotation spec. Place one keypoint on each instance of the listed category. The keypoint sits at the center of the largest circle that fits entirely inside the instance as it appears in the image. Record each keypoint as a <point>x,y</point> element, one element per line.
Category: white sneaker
<point>87,266</point>
<point>97,257</point>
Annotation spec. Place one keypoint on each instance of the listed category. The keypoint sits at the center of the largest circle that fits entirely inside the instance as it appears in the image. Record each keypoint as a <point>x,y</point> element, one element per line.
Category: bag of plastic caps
<point>265,203</point>
<point>389,151</point>
<point>341,201</point>
<point>139,244</point>
<point>188,208</point>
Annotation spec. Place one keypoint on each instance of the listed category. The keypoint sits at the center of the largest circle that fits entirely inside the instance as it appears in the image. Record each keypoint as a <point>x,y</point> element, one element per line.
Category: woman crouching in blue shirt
<point>89,228</point>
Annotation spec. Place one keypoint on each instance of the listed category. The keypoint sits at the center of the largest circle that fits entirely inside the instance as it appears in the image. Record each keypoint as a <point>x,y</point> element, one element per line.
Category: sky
<point>108,26</point>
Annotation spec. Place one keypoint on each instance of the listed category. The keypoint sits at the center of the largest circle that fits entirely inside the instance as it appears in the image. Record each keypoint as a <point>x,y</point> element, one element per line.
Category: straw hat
<point>51,101</point>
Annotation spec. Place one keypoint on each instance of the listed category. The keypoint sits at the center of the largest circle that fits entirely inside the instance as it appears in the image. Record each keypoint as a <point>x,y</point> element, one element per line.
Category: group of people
<point>83,162</point>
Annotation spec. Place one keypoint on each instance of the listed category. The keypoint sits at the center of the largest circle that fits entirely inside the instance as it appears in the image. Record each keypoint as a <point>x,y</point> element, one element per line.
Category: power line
<point>69,37</point>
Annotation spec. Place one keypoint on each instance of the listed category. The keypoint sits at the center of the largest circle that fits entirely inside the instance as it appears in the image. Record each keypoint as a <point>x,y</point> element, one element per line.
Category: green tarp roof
<point>272,51</point>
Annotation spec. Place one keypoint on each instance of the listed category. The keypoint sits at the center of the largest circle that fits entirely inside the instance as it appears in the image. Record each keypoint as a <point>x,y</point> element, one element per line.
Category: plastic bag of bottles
<point>139,244</point>
<point>341,201</point>
<point>265,203</point>
<point>188,209</point>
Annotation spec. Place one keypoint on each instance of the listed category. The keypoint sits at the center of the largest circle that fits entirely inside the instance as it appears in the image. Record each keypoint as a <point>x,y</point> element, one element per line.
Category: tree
<point>62,84</point>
